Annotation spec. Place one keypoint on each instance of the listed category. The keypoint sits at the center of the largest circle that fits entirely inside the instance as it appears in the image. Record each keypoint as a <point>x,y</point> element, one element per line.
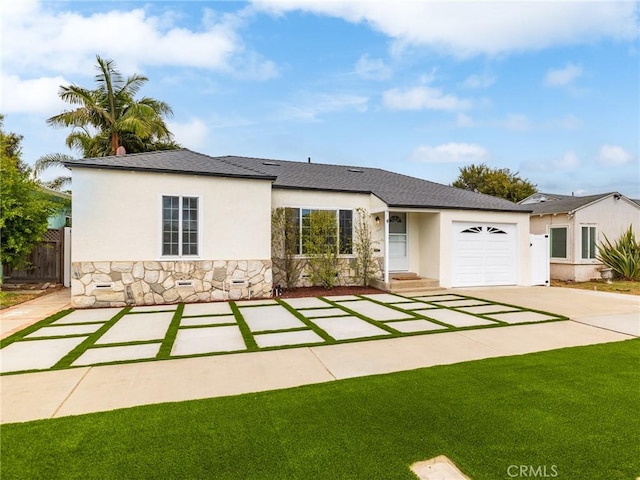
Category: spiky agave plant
<point>623,256</point>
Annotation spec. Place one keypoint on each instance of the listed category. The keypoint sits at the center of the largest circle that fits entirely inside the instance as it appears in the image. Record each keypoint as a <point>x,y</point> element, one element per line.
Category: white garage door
<point>484,254</point>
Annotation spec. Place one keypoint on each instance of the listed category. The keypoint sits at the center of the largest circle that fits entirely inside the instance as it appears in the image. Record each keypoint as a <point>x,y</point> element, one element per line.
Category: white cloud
<point>450,153</point>
<point>613,155</point>
<point>39,37</point>
<point>312,106</point>
<point>473,28</point>
<point>372,68</point>
<point>35,95</point>
<point>479,81</point>
<point>423,97</point>
<point>562,77</point>
<point>568,161</point>
<point>191,134</point>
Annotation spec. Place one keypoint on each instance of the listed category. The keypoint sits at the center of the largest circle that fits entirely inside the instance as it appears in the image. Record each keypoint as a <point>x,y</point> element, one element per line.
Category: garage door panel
<point>484,254</point>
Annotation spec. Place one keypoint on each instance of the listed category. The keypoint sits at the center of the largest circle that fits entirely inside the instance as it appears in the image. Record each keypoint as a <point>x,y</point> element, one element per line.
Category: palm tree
<point>113,112</point>
<point>108,117</point>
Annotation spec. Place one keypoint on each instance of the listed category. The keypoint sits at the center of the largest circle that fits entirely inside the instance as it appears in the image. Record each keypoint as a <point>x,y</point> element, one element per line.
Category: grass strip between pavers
<point>32,328</point>
<point>74,354</point>
<point>245,331</point>
<point>309,323</point>
<point>172,332</point>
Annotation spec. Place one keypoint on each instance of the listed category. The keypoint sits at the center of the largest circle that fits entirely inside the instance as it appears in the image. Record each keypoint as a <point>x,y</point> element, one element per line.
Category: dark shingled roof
<point>394,189</point>
<point>181,161</point>
<point>565,203</point>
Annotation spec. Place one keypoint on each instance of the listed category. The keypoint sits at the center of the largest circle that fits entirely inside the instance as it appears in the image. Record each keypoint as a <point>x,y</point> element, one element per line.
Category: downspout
<point>386,246</point>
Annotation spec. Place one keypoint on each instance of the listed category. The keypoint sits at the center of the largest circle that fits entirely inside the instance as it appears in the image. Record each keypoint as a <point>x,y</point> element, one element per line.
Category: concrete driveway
<point>50,394</point>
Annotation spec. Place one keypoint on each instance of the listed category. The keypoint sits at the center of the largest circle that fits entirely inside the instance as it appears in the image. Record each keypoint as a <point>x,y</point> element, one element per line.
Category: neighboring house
<point>178,225</point>
<point>576,225</point>
<point>62,216</point>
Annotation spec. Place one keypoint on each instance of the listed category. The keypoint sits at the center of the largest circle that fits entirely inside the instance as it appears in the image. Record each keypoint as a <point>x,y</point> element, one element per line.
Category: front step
<point>407,282</point>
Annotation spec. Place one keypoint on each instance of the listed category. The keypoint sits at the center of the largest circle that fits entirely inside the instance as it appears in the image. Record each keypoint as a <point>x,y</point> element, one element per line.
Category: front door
<point>398,245</point>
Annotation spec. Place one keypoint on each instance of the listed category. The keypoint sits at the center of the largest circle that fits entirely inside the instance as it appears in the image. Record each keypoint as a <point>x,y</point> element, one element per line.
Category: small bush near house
<point>320,233</point>
<point>623,256</point>
<point>284,246</point>
<point>365,262</point>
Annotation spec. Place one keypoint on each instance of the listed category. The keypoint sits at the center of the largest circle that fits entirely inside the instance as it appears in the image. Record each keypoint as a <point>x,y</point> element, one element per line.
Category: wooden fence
<point>45,264</point>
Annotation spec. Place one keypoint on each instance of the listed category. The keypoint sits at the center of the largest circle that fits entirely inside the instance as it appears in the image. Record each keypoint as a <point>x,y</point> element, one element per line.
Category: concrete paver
<point>467,302</point>
<point>415,306</point>
<point>196,321</point>
<point>376,311</point>
<point>132,328</point>
<point>408,326</point>
<point>299,337</point>
<point>214,308</point>
<point>491,308</point>
<point>437,298</point>
<point>308,302</point>
<point>63,330</point>
<point>261,319</point>
<point>457,319</point>
<point>345,328</point>
<point>153,308</point>
<point>87,316</point>
<point>385,297</point>
<point>118,353</point>
<point>22,355</point>
<point>190,341</point>
<point>323,312</point>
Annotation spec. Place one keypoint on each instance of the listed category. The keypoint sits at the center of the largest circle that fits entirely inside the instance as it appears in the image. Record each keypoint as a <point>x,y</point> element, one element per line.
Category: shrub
<point>321,247</point>
<point>623,256</point>
<point>365,263</point>
<point>284,246</point>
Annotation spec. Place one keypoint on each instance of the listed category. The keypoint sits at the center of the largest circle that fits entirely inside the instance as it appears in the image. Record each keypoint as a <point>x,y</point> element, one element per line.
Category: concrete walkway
<point>14,319</point>
<point>91,389</point>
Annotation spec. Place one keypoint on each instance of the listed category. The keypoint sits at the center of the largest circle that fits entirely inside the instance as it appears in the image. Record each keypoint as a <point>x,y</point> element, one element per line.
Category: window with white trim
<point>558,240</point>
<point>344,228</point>
<point>589,248</point>
<point>179,226</point>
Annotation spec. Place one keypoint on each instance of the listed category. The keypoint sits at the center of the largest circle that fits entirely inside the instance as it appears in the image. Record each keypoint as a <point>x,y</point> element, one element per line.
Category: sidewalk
<point>14,319</point>
<point>91,389</point>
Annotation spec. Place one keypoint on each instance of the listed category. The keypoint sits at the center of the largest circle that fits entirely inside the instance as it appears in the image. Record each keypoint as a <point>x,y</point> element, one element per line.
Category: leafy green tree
<point>24,208</point>
<point>107,117</point>
<point>499,182</point>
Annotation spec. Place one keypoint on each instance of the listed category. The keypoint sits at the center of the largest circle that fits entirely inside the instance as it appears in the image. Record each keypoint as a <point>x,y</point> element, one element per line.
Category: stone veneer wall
<point>346,275</point>
<point>154,282</point>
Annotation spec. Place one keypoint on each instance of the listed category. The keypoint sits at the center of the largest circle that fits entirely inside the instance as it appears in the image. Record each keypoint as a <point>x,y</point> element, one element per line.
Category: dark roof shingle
<point>394,189</point>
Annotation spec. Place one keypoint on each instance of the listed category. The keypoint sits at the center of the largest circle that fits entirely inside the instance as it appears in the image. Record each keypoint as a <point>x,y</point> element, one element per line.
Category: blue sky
<point>548,89</point>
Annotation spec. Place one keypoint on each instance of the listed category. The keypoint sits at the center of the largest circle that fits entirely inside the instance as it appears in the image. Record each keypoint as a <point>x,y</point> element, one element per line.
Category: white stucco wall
<point>521,220</point>
<point>429,227</point>
<point>117,215</point>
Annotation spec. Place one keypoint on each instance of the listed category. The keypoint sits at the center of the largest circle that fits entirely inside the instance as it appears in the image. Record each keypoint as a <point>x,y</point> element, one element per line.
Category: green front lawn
<point>573,411</point>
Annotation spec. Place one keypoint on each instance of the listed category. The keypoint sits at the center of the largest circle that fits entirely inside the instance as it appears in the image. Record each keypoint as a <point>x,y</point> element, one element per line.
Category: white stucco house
<point>576,225</point>
<point>178,225</point>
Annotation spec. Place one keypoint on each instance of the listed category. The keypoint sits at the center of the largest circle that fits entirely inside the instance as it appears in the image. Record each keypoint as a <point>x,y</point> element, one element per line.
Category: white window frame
<point>161,256</point>
<point>567,242</point>
<point>589,226</point>
<point>328,209</point>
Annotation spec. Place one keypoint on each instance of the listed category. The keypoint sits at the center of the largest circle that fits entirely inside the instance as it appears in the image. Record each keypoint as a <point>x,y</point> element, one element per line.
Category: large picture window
<point>558,238</point>
<point>588,243</point>
<point>179,226</point>
<point>302,218</point>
